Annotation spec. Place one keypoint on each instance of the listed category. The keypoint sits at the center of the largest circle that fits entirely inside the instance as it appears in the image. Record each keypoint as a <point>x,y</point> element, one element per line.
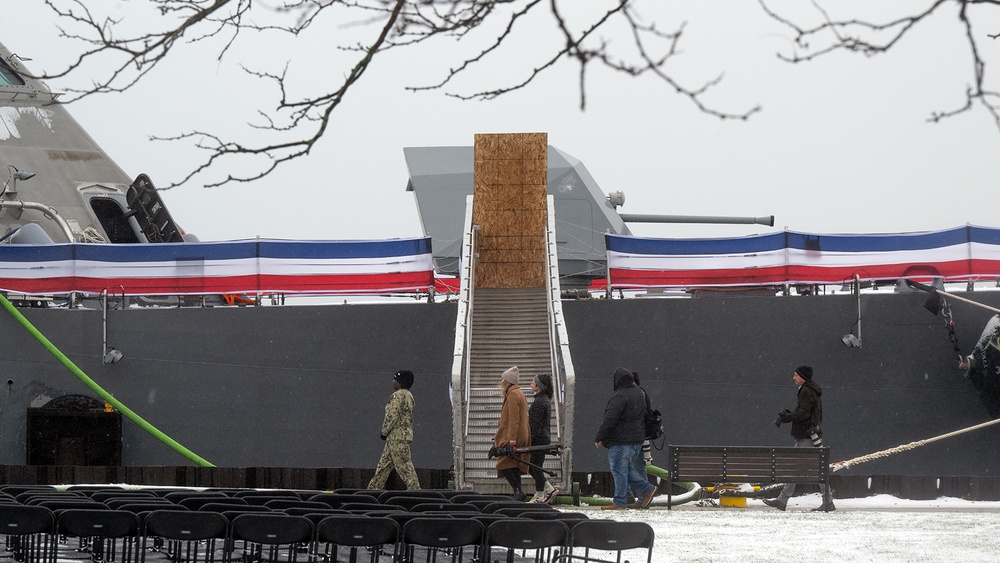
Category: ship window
<point>109,213</point>
<point>8,76</point>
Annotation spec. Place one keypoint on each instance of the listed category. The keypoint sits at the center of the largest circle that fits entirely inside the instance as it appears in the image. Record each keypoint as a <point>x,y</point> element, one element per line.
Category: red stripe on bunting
<point>959,269</point>
<point>367,283</point>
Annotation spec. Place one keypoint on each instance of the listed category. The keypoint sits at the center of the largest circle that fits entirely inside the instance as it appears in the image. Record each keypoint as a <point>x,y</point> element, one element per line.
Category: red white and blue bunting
<point>960,254</point>
<point>195,268</point>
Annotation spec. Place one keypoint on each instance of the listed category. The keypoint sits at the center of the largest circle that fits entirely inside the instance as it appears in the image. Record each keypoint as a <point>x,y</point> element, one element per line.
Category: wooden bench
<point>720,465</point>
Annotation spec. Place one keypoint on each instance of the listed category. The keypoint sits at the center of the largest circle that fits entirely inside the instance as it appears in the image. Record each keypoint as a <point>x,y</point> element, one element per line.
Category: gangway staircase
<point>509,315</point>
<point>510,328</point>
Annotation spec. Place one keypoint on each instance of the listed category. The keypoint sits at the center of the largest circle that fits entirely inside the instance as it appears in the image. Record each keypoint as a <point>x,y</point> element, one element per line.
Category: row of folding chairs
<point>83,496</point>
<point>35,534</point>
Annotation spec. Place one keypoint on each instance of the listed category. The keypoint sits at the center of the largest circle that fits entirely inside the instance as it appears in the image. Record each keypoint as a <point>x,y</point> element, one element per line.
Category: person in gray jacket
<point>622,432</point>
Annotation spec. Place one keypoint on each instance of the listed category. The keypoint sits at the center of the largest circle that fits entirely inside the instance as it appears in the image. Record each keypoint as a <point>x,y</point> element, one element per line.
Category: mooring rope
<point>765,490</point>
<point>837,466</point>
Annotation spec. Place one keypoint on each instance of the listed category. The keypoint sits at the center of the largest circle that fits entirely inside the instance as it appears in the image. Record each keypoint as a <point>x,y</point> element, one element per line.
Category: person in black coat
<point>622,431</point>
<point>807,424</point>
<point>539,420</point>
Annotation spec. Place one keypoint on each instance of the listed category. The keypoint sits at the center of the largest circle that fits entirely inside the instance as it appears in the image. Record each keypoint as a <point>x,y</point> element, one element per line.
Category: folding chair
<point>28,531</point>
<point>108,495</point>
<point>467,496</point>
<point>449,536</point>
<point>221,507</point>
<point>542,537</point>
<point>371,492</point>
<point>355,533</point>
<point>100,531</point>
<point>571,519</point>
<point>491,507</point>
<point>487,519</point>
<point>194,503</point>
<point>367,506</point>
<point>260,497</point>
<point>315,514</point>
<point>519,510</point>
<point>91,489</point>
<point>14,490</point>
<point>608,536</point>
<point>409,501</point>
<point>187,536</point>
<point>32,496</point>
<point>385,497</point>
<point>58,504</point>
<point>178,496</point>
<point>338,500</point>
<point>283,503</point>
<point>447,493</point>
<point>272,537</point>
<point>451,507</point>
<point>114,503</point>
<point>138,507</point>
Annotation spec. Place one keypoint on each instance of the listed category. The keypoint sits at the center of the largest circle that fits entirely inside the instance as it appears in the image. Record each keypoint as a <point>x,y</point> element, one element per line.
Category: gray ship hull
<point>305,386</point>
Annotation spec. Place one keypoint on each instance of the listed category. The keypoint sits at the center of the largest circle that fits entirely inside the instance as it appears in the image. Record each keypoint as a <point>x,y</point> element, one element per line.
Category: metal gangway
<point>497,328</point>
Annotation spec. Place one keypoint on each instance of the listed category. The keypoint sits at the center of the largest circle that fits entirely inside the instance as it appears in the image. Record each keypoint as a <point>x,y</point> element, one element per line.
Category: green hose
<point>691,492</point>
<point>98,389</point>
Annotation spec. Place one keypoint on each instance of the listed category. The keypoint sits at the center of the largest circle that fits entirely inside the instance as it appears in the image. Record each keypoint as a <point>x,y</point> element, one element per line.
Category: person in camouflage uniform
<point>397,431</point>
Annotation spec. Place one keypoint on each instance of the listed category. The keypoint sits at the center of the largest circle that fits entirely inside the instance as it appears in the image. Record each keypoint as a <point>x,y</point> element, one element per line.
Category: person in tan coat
<point>513,430</point>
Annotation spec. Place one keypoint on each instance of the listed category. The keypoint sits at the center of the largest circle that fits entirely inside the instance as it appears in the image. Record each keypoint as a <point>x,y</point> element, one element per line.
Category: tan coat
<point>513,426</point>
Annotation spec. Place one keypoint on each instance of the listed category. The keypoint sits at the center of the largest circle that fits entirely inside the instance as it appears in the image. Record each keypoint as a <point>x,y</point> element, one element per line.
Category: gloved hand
<point>382,436</point>
<point>782,417</point>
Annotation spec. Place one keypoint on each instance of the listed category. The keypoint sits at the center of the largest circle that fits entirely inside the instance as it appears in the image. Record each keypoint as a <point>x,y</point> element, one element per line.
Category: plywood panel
<point>510,173</point>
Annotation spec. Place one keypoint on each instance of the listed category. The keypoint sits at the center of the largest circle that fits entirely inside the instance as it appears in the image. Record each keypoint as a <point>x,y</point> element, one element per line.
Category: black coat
<point>808,411</point>
<point>624,416</point>
<point>539,415</point>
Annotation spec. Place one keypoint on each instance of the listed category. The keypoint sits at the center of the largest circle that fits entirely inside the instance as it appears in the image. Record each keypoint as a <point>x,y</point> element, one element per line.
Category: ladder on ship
<point>500,327</point>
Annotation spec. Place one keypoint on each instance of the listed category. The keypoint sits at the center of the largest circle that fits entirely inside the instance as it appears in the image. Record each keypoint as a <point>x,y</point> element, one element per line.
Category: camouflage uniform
<point>397,427</point>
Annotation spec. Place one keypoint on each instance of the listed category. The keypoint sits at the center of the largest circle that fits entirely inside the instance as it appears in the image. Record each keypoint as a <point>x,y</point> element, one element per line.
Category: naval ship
<point>113,310</point>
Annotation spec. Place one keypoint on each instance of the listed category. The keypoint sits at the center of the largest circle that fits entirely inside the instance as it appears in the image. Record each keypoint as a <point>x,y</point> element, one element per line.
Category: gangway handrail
<point>563,361</point>
<point>468,327</point>
<point>551,298</point>
<point>461,370</point>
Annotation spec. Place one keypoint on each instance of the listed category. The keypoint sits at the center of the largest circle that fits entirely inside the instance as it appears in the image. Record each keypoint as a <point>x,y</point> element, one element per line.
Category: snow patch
<point>9,117</point>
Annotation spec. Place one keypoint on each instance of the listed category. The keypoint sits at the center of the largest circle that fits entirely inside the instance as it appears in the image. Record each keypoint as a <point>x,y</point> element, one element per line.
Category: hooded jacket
<point>624,415</point>
<point>808,412</point>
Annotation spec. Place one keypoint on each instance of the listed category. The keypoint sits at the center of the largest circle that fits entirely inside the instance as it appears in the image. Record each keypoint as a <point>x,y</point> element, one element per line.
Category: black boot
<point>775,503</point>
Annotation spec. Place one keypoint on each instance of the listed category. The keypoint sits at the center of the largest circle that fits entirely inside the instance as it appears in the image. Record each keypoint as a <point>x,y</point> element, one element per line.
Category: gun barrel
<point>707,219</point>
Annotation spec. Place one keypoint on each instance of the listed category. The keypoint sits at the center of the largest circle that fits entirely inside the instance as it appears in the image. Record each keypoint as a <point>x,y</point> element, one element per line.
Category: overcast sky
<point>841,145</point>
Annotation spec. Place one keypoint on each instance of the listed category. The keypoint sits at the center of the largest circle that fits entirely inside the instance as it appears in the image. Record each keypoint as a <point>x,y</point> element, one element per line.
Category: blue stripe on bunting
<point>743,245</point>
<point>201,251</point>
<point>801,241</point>
<point>877,243</point>
<point>345,249</point>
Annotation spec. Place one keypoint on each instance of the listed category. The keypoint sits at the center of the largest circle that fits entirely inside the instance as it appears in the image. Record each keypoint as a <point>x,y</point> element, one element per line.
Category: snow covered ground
<point>879,528</point>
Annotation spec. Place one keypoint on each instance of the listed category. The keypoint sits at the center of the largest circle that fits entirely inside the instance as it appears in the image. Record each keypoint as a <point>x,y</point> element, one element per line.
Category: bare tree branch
<point>292,128</point>
<point>871,38</point>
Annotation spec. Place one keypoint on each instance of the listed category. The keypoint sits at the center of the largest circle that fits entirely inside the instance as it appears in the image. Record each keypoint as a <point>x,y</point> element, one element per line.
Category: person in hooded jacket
<point>806,419</point>
<point>622,432</point>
